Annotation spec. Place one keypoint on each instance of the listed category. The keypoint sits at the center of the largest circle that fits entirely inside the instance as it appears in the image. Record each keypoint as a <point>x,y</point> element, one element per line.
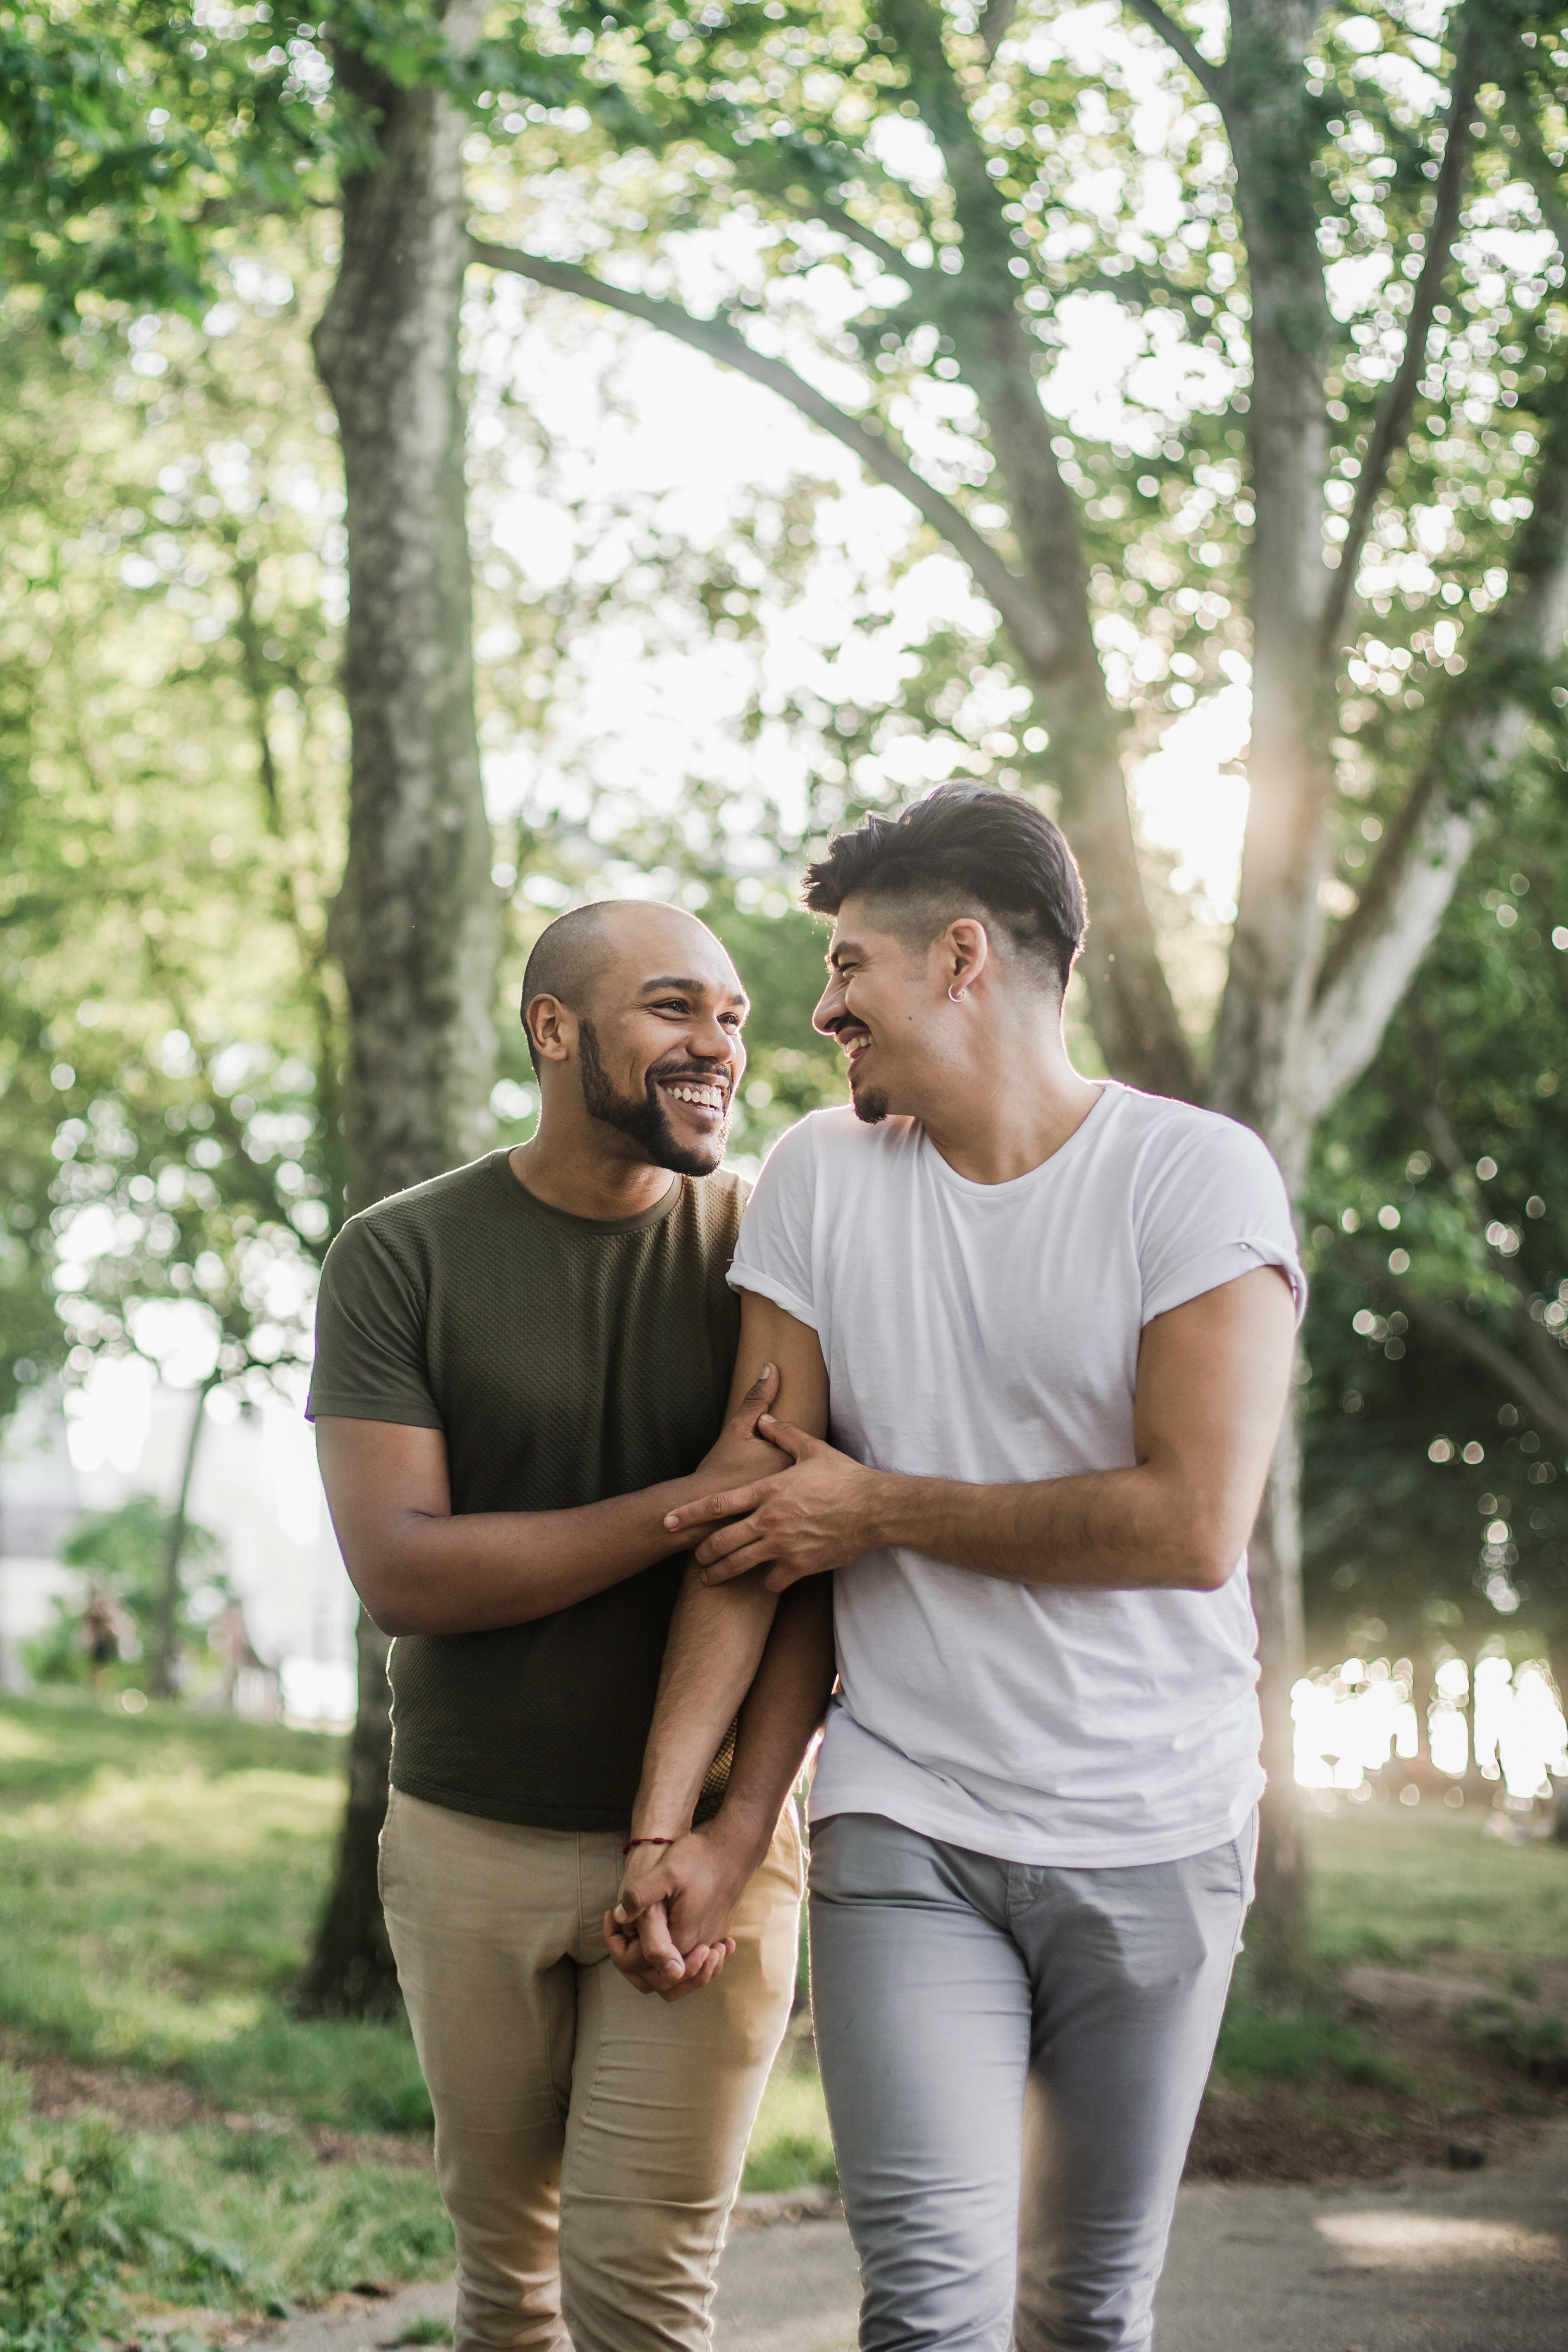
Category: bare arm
<point>726,1647</point>
<point>1212,1380</point>
<point>716,1639</point>
<point>421,1569</point>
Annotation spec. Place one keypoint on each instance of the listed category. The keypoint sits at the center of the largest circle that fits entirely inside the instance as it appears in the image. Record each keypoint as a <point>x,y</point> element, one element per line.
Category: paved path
<point>1432,2262</point>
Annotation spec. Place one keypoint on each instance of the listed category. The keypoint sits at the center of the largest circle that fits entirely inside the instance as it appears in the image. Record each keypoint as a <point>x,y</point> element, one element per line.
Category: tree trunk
<point>1278,1936</point>
<point>416,927</point>
<point>1260,1037</point>
<point>166,1640</point>
<point>350,1971</point>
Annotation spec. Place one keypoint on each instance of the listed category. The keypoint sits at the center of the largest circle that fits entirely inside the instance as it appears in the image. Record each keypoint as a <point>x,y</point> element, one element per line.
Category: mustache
<point>706,1076</point>
<point>843,1021</point>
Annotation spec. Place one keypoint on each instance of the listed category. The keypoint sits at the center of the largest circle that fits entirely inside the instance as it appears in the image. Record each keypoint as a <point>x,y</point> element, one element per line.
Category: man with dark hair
<point>1048,1322</point>
<point>520,1367</point>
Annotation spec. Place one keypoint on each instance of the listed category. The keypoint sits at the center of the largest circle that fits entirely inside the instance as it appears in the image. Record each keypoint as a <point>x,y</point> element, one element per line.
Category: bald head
<point>637,939</point>
<point>634,1013</point>
<point>567,959</point>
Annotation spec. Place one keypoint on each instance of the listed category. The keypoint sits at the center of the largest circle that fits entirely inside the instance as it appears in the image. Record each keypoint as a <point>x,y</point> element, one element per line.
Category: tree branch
<point>1478,734</point>
<point>726,344</point>
<point>1452,1324</point>
<point>1176,36</point>
<point>1391,426</point>
<point>995,19</point>
<point>1135,1018</point>
<point>833,216</point>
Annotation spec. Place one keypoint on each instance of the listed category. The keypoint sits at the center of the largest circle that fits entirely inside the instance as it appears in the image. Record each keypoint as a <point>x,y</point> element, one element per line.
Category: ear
<point>551,1026</point>
<point>963,951</point>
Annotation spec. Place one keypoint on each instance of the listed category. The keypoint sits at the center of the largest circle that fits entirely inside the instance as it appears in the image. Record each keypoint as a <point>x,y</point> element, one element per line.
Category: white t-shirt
<point>989,1333</point>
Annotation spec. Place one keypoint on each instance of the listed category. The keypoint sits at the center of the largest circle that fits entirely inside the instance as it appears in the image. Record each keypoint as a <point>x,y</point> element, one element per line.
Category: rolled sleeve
<point>1218,1210</point>
<point>774,1254</point>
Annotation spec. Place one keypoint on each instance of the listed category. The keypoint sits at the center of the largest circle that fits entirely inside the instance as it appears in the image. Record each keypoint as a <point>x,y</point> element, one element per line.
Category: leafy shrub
<point>794,2160</point>
<point>68,2217</point>
<point>123,1554</point>
<point>1258,2044</point>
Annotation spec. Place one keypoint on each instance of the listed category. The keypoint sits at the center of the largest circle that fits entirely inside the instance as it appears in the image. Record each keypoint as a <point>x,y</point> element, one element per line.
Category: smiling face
<point>656,1044</point>
<point>883,1004</point>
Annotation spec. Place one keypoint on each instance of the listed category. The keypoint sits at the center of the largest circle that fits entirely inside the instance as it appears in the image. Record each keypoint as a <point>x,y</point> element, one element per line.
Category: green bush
<point>794,2160</point>
<point>72,2209</point>
<point>123,1554</point>
<point>1258,2044</point>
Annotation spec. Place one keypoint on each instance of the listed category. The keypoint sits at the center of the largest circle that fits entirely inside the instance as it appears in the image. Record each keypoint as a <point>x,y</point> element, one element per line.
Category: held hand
<point>815,1516</point>
<point>737,1452</point>
<point>656,1965</point>
<point>666,1932</point>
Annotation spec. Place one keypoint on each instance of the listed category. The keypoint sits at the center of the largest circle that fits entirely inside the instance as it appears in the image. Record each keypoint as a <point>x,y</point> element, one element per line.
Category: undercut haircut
<point>963,850</point>
<point>568,957</point>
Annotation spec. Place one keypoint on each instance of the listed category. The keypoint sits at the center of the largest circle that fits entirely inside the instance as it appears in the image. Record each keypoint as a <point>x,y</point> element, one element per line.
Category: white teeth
<point>708,1097</point>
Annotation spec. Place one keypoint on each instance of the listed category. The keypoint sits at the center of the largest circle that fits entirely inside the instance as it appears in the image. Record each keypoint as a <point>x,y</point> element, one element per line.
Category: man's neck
<point>1012,1113</point>
<point>588,1169</point>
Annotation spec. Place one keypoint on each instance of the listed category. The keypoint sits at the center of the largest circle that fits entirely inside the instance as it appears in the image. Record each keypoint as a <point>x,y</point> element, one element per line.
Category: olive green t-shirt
<point>565,1361</point>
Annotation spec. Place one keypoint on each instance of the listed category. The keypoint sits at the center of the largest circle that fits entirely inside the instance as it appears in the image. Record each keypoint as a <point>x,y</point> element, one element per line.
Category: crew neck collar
<point>530,1204</point>
<point>1042,1173</point>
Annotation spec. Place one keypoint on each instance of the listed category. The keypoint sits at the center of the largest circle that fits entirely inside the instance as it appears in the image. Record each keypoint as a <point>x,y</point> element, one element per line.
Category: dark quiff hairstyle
<point>965,850</point>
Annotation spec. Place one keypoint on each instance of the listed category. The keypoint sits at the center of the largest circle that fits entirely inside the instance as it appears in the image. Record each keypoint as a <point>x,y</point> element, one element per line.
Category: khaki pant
<point>589,2137</point>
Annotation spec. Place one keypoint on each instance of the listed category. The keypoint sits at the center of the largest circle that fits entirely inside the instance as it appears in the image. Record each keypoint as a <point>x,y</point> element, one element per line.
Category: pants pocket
<point>387,1827</point>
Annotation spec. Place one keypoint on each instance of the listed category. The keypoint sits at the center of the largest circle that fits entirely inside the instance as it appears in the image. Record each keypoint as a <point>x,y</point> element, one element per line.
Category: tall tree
<point>1359,449</point>
<point>136,138</point>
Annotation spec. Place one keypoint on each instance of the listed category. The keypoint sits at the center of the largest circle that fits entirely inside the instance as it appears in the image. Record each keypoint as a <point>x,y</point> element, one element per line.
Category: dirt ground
<point>1472,2049</point>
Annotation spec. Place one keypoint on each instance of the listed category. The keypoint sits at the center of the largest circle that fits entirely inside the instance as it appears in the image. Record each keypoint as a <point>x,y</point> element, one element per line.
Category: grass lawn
<point>159,1878</point>
<point>1396,1886</point>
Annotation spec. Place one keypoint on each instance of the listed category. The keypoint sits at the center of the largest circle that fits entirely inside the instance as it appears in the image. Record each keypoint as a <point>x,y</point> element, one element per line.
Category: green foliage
<point>169,740</point>
<point>791,2146</point>
<point>94,2221</point>
<point>794,2160</point>
<point>123,1553</point>
<point>1438,1215</point>
<point>70,2214</point>
<point>1267,2045</point>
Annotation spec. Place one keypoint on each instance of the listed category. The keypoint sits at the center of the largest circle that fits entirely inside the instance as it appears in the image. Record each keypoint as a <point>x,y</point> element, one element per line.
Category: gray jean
<point>1013,2058</point>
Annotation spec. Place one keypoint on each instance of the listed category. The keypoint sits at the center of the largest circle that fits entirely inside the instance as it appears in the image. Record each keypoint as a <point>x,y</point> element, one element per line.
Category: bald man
<point>521,1367</point>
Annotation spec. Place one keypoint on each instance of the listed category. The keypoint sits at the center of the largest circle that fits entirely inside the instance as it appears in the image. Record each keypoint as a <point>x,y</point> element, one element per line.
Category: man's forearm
<point>676,1899</point>
<point>476,1570</point>
<point>716,1642</point>
<point>1111,1529</point>
<point>783,1710</point>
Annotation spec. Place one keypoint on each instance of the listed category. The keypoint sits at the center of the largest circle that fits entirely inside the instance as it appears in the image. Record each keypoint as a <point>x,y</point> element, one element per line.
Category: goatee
<point>644,1117</point>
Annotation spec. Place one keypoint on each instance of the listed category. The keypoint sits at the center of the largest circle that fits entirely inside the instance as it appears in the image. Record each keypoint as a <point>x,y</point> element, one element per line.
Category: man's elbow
<point>392,1608</point>
<point>1202,1555</point>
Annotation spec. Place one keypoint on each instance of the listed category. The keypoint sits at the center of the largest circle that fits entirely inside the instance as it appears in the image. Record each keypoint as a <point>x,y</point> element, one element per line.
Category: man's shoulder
<point>407,1217</point>
<point>836,1135</point>
<point>1161,1129</point>
<point>716,1202</point>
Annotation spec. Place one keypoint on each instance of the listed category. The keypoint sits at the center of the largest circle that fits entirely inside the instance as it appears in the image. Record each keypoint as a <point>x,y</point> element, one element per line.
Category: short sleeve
<point>1214,1211</point>
<point>774,1252</point>
<point>371,1358</point>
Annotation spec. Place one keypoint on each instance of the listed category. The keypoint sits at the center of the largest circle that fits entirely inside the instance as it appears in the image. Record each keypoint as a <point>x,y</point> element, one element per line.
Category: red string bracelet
<point>631,1841</point>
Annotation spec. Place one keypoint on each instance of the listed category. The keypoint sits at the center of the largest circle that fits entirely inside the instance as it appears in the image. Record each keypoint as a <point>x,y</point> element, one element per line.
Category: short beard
<point>642,1117</point>
<point>870,1104</point>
